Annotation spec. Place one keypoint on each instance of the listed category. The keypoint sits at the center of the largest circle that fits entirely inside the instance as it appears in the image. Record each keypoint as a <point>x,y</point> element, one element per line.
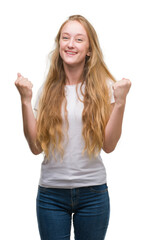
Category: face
<point>74,44</point>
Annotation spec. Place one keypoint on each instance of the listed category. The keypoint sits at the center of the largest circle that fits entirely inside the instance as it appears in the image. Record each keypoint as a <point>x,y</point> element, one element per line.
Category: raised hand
<point>24,87</point>
<point>121,89</point>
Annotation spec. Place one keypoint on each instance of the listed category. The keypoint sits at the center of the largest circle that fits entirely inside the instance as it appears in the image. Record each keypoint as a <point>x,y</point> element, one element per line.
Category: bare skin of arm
<point>24,87</point>
<point>113,128</point>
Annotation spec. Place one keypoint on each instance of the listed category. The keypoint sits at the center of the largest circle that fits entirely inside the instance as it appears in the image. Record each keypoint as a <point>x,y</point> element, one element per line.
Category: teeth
<point>72,53</point>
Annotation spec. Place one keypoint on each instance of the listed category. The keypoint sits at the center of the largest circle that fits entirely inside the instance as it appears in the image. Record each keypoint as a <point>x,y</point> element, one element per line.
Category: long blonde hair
<point>96,101</point>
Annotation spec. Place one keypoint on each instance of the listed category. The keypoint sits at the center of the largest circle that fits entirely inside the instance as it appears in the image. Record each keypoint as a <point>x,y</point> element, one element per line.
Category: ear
<point>88,54</point>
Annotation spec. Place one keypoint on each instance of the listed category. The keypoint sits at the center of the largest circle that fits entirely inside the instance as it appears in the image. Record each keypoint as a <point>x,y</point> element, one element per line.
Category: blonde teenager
<point>79,111</point>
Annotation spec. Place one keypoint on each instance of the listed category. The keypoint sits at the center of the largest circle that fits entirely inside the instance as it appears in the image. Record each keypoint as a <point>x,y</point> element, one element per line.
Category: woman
<point>80,111</point>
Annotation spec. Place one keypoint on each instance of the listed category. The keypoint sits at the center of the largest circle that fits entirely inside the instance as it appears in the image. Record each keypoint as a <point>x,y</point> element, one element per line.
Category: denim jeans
<point>90,208</point>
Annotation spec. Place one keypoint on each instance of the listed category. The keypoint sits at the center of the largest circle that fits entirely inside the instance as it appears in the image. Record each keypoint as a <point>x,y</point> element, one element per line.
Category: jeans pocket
<point>99,188</point>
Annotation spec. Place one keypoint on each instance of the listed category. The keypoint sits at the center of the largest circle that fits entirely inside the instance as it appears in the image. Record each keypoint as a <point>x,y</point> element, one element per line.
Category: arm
<point>114,126</point>
<point>29,127</point>
<point>29,122</point>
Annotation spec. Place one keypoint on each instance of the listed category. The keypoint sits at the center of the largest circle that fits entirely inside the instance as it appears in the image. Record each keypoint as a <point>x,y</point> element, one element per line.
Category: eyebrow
<point>78,34</point>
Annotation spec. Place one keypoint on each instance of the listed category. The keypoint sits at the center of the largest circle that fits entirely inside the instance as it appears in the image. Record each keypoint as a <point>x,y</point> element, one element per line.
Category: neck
<point>74,74</point>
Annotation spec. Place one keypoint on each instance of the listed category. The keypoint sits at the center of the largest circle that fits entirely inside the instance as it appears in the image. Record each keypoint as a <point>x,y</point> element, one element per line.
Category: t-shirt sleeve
<point>111,92</point>
<point>36,101</point>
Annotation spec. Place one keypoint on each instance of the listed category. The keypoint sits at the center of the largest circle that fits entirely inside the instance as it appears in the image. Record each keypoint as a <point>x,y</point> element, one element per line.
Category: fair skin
<point>113,128</point>
<point>24,87</point>
<point>74,46</point>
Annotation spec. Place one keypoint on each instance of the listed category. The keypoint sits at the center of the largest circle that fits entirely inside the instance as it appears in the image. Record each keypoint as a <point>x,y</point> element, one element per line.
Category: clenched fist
<point>24,87</point>
<point>121,89</point>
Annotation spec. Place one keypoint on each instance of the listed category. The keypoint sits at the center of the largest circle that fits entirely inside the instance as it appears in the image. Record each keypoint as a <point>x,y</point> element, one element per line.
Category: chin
<point>73,63</point>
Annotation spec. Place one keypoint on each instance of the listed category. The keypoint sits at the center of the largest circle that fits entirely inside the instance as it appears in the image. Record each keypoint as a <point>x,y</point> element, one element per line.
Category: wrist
<point>25,101</point>
<point>120,104</point>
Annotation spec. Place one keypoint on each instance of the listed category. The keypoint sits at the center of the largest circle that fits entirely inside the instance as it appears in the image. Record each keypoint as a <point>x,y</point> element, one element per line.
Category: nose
<point>71,43</point>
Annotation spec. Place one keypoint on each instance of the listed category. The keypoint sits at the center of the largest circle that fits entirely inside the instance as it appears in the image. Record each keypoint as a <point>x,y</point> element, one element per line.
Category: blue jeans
<point>90,206</point>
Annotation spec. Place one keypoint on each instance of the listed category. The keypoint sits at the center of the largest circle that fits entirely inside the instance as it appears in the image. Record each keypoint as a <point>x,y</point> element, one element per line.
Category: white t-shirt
<point>75,170</point>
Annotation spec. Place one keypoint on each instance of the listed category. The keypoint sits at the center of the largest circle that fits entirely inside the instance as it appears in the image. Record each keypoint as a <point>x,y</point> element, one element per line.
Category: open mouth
<point>70,53</point>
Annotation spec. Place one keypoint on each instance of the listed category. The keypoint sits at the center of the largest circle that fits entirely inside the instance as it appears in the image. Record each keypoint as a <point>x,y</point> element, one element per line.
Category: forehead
<point>73,28</point>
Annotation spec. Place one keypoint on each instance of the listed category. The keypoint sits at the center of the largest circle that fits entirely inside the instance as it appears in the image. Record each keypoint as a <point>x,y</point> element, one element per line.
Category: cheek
<point>85,50</point>
<point>60,48</point>
<point>62,45</point>
<point>60,53</point>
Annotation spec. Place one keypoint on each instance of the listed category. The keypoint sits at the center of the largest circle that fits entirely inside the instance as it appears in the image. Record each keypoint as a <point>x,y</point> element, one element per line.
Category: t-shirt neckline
<point>73,85</point>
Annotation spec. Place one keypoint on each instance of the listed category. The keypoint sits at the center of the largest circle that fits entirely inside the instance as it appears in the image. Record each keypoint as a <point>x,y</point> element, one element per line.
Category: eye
<point>65,38</point>
<point>79,40</point>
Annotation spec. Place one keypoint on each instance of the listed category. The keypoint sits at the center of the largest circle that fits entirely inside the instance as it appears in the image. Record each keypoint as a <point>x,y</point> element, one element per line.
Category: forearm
<point>29,127</point>
<point>114,128</point>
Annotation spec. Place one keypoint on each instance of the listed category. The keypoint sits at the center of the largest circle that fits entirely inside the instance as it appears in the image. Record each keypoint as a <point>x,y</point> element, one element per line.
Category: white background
<point>28,29</point>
